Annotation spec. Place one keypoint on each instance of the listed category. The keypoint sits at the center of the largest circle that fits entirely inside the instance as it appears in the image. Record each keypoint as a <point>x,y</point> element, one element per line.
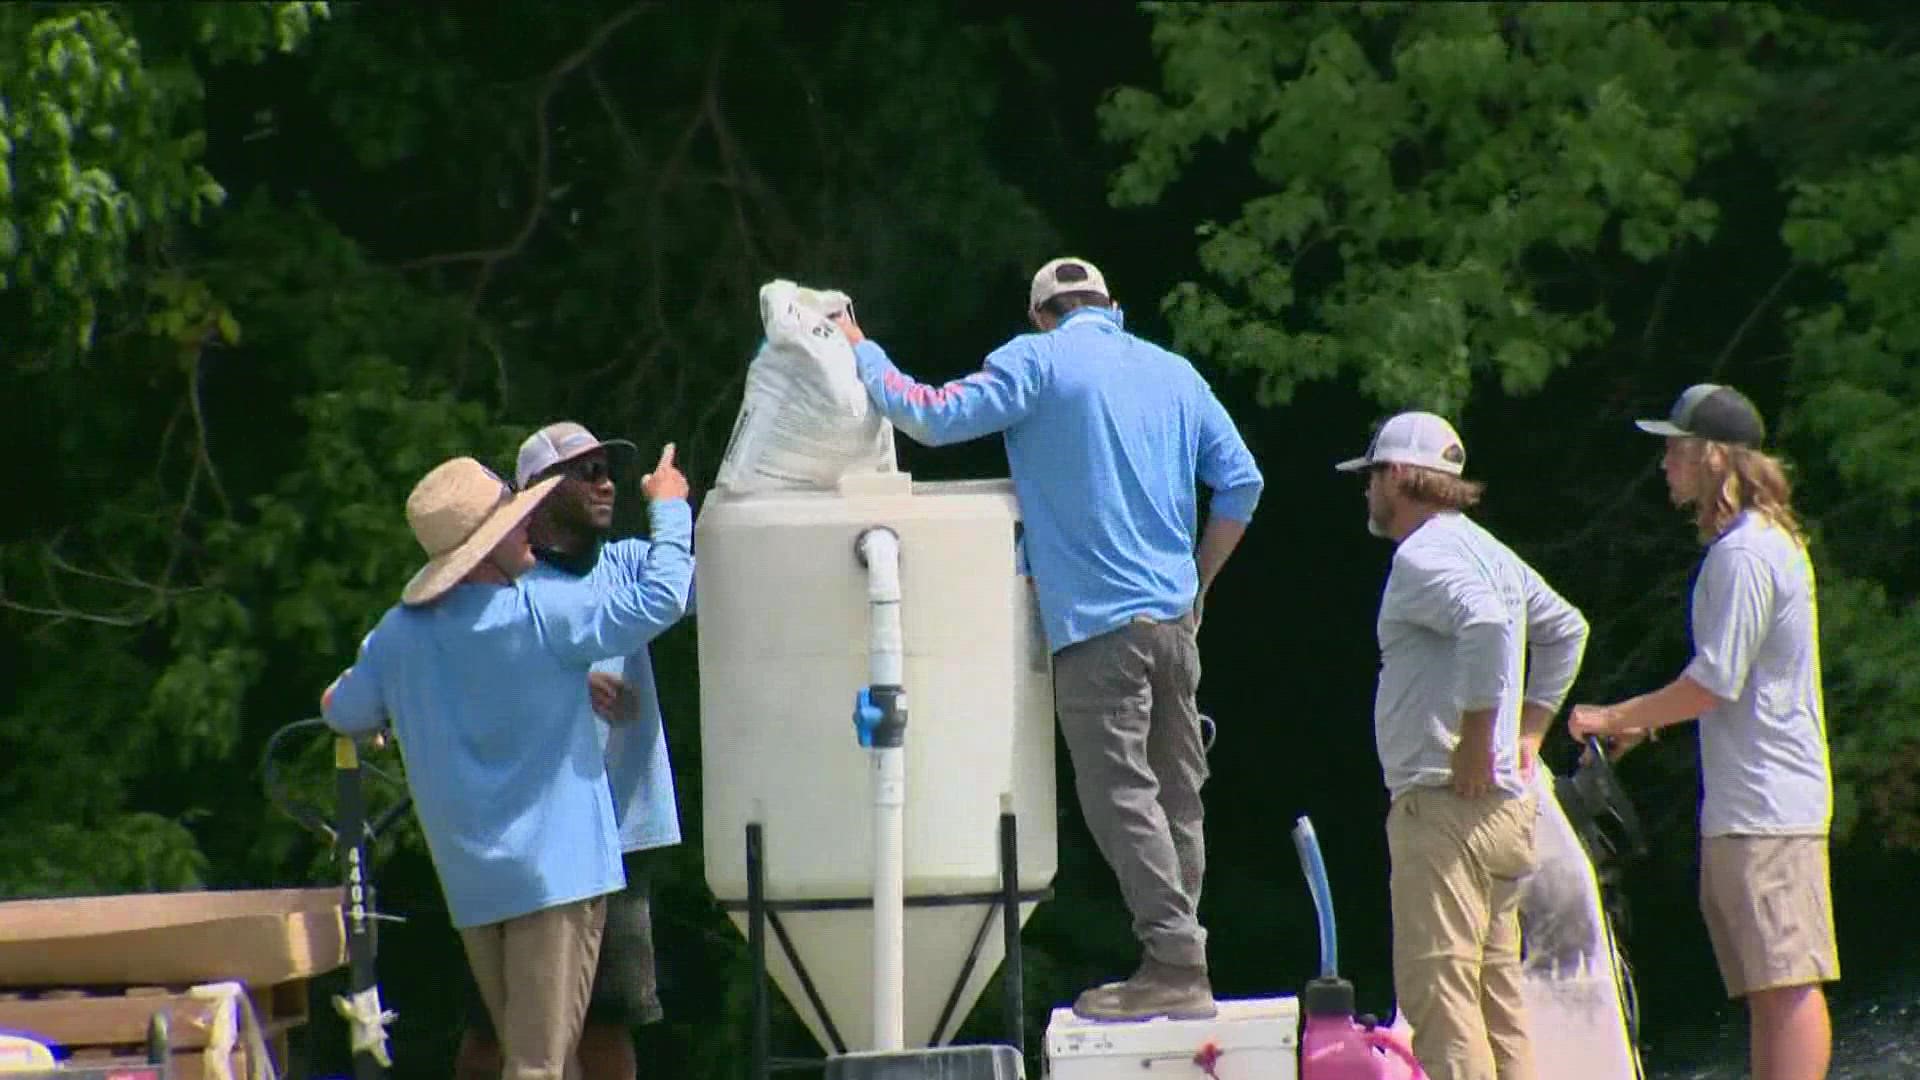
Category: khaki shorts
<point>1769,910</point>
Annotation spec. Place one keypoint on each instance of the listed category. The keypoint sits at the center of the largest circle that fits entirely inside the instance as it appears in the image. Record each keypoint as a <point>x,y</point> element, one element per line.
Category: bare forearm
<point>1675,703</point>
<point>1535,719</point>
<point>1217,542</point>
<point>1477,724</point>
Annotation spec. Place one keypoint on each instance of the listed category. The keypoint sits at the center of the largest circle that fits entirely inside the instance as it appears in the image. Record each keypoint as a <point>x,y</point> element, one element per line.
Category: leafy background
<point>262,264</point>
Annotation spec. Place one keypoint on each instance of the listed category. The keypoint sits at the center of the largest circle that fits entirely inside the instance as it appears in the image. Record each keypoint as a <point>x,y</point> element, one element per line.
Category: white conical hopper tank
<point>783,617</point>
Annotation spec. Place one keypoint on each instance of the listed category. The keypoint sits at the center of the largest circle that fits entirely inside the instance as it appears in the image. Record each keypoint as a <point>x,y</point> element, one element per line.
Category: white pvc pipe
<point>880,550</point>
<point>889,898</point>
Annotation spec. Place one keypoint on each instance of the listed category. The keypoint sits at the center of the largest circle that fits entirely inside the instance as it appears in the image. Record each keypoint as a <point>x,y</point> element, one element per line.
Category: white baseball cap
<point>1413,438</point>
<point>1065,275</point>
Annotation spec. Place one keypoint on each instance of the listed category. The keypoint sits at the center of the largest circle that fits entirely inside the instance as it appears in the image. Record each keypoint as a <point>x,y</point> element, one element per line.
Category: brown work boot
<point>1157,989</point>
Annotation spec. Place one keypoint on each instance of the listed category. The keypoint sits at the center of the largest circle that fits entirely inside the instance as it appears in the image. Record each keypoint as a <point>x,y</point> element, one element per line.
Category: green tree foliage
<point>101,143</point>
<point>1424,172</point>
<point>1450,203</point>
<point>100,137</point>
<point>262,264</point>
<point>447,226</point>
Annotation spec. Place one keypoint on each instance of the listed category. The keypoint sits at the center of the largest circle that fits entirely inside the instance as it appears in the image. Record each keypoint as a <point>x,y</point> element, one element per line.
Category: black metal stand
<point>351,835</point>
<point>763,914</point>
<point>350,820</point>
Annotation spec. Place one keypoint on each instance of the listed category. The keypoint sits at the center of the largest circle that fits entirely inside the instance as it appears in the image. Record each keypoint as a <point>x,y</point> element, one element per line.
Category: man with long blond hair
<point>1754,685</point>
<point>1477,653</point>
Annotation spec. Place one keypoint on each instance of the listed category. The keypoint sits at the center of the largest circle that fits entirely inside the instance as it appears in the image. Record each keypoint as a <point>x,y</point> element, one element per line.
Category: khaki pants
<point>1457,869</point>
<point>535,973</point>
<point>1132,727</point>
<point>1769,908</point>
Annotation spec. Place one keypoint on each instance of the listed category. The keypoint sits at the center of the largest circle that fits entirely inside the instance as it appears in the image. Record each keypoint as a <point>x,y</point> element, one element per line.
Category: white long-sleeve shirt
<point>1465,624</point>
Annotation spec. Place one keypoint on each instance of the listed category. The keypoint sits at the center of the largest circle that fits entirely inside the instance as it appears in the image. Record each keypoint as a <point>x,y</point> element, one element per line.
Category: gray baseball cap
<point>554,444</point>
<point>1714,412</point>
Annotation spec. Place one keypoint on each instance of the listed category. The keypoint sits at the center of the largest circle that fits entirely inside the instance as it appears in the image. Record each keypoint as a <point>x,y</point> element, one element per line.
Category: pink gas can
<point>1334,1045</point>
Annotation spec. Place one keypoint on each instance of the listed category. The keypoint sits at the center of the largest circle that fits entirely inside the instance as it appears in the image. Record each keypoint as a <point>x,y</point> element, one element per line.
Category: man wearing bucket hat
<point>1105,435</point>
<point>488,696</point>
<point>569,535</point>
<point>1754,684</point>
<point>1477,653</point>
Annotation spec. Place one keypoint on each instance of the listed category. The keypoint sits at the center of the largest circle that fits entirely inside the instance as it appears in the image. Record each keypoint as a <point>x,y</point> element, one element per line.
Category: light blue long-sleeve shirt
<point>639,768</point>
<point>1105,435</point>
<point>487,692</point>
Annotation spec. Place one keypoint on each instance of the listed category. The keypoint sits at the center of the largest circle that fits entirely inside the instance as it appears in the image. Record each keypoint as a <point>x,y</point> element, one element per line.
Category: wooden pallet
<point>97,1024</point>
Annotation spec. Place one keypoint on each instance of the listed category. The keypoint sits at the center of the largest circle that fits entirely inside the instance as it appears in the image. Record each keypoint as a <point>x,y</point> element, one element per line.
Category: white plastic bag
<point>805,419</point>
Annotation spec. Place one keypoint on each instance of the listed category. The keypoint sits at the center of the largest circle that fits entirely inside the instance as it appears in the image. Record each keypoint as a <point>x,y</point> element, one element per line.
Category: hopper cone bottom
<point>836,947</point>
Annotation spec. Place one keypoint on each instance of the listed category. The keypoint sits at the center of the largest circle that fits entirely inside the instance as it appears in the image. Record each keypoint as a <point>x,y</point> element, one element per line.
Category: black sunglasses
<point>585,470</point>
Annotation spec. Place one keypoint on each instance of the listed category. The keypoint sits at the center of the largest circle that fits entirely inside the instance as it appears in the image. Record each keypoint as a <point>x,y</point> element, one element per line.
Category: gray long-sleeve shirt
<point>1465,624</point>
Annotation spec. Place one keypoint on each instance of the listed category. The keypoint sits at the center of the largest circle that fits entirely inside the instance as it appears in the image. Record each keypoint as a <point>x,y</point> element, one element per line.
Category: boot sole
<point>1131,1018</point>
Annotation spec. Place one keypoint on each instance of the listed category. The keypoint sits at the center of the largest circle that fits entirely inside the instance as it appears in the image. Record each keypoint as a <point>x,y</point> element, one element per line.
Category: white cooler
<point>1252,1039</point>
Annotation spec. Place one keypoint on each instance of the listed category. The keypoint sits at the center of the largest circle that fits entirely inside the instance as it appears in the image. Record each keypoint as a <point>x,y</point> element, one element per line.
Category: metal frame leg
<point>763,914</point>
<point>1012,967</point>
<point>760,1060</point>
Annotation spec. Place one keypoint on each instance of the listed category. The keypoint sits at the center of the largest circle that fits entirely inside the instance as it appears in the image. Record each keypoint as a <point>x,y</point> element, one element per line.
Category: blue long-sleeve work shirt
<point>1105,435</point>
<point>486,689</point>
<point>639,767</point>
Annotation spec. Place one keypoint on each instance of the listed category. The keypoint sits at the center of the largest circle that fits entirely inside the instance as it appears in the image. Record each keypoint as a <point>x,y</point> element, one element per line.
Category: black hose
<point>308,815</point>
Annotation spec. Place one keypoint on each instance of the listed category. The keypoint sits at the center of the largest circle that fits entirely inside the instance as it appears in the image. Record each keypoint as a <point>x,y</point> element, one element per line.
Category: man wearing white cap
<point>569,535</point>
<point>1754,685</point>
<point>488,698</point>
<point>1477,653</point>
<point>1105,435</point>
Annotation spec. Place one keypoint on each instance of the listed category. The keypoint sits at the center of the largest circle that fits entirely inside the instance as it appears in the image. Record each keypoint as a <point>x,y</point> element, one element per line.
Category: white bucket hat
<point>460,512</point>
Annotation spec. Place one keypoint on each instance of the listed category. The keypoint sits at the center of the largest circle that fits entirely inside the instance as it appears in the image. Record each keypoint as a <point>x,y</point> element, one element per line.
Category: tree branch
<point>203,460</point>
<point>1753,316</point>
<point>1660,300</point>
<point>550,84</point>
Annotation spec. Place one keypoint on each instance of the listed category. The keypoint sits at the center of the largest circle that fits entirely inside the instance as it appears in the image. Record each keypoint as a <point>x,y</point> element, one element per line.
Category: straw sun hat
<point>459,512</point>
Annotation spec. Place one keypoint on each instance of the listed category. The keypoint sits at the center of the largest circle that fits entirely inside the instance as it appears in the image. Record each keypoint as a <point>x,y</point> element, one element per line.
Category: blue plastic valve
<point>866,716</point>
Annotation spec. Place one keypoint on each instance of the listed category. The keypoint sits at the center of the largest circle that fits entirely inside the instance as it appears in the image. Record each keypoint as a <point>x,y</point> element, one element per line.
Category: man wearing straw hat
<point>488,696</point>
<point>570,536</point>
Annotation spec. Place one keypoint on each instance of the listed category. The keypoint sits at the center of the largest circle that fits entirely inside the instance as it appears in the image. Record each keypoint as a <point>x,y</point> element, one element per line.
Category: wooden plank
<point>287,1000</point>
<point>193,1066</point>
<point>258,937</point>
<point>109,1021</point>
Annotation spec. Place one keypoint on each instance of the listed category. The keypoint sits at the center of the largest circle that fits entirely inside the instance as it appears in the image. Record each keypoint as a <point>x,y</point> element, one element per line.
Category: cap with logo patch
<point>555,444</point>
<point>1413,438</point>
<point>1713,412</point>
<point>1067,275</point>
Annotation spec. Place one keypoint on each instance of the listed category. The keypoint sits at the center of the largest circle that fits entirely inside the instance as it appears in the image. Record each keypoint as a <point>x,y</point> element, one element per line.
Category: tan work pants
<point>535,973</point>
<point>1457,868</point>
